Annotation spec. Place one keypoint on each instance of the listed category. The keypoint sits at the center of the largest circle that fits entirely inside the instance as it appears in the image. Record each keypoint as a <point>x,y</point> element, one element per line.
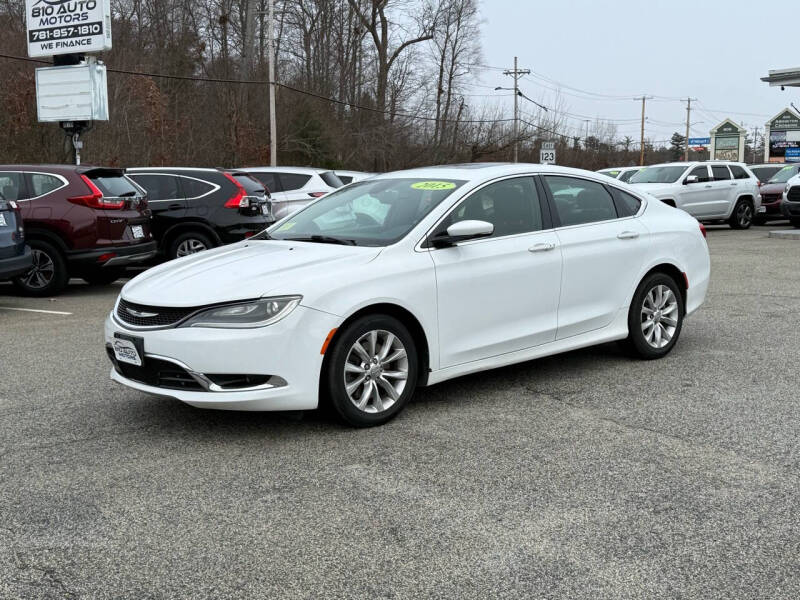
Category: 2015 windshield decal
<point>434,185</point>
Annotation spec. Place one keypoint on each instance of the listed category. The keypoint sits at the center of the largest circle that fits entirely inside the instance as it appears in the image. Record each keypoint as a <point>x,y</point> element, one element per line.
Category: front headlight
<point>246,314</point>
<point>786,189</point>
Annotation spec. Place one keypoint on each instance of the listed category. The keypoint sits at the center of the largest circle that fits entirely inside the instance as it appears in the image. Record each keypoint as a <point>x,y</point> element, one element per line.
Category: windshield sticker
<point>286,226</point>
<point>434,185</point>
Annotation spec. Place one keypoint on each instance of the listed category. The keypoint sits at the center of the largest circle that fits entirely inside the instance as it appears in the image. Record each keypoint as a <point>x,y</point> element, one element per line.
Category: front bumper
<point>122,255</point>
<point>790,209</point>
<point>288,351</point>
<point>16,265</point>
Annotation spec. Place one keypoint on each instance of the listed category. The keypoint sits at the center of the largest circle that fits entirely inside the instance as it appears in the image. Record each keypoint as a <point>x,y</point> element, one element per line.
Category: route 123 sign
<point>67,26</point>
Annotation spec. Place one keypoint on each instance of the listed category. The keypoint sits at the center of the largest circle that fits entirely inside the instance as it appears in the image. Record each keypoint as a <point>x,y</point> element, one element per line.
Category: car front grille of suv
<point>794,194</point>
<point>139,315</point>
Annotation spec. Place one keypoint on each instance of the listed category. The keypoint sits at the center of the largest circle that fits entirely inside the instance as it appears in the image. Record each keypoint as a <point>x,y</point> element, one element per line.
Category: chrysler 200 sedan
<point>409,279</point>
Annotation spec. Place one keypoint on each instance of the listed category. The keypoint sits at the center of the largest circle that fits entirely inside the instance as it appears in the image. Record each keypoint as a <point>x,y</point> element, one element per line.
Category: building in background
<point>728,141</point>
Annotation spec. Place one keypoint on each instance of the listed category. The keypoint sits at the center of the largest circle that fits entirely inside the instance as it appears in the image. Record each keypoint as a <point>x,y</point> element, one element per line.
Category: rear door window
<point>158,186</point>
<point>12,185</point>
<point>293,181</point>
<point>42,183</point>
<point>720,172</point>
<point>270,181</point>
<point>332,179</point>
<point>580,201</point>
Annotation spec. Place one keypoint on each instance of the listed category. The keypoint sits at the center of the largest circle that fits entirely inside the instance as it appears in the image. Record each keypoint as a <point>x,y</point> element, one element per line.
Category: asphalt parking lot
<point>586,475</point>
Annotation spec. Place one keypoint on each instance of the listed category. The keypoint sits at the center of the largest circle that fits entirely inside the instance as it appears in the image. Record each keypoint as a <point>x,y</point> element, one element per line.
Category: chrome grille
<point>139,315</point>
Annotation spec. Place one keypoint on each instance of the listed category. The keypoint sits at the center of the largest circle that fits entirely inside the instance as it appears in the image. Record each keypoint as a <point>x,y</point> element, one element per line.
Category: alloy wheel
<point>659,316</point>
<point>744,214</point>
<point>376,371</point>
<point>42,271</point>
<point>190,246</point>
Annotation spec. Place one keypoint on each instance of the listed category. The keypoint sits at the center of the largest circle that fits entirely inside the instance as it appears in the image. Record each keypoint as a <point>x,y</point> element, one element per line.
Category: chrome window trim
<point>64,182</point>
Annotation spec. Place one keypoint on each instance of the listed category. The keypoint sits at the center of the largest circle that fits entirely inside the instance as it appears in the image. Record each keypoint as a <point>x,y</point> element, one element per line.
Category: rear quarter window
<point>43,183</point>
<point>332,179</point>
<point>194,188</point>
<point>739,172</point>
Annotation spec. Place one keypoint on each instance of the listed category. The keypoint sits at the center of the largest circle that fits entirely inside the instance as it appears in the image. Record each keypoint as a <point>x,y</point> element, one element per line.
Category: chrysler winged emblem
<point>139,313</point>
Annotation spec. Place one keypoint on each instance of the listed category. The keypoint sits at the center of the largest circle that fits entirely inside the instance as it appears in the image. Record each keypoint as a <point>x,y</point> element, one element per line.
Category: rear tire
<point>371,371</point>
<point>743,214</point>
<point>655,317</point>
<point>189,242</point>
<point>49,274</point>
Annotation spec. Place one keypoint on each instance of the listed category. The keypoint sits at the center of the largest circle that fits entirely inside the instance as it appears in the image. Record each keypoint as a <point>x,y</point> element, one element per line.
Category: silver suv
<point>709,191</point>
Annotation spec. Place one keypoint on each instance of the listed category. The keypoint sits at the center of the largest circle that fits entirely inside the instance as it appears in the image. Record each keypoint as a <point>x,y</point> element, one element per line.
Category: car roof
<point>483,171</point>
<point>697,163</point>
<point>304,170</point>
<point>619,169</point>
<point>206,169</point>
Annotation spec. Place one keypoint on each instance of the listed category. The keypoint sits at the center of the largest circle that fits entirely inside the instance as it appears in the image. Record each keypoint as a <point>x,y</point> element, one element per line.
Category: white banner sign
<point>67,26</point>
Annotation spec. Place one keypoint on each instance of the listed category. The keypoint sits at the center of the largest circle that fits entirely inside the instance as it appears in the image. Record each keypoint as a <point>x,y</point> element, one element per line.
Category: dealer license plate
<point>138,231</point>
<point>126,351</point>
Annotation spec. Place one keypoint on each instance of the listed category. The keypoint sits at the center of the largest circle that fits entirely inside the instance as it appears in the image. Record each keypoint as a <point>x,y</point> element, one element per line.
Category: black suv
<point>197,209</point>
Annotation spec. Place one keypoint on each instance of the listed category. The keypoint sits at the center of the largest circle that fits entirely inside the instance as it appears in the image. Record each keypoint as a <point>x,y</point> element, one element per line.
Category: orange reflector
<point>686,280</point>
<point>327,341</point>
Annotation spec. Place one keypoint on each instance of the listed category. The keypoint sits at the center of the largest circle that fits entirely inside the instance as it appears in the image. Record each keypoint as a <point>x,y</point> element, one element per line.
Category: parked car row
<point>62,221</point>
<point>717,191</point>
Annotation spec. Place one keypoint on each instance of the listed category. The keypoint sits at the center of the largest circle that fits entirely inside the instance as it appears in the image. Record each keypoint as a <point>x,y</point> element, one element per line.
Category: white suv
<point>709,191</point>
<point>292,188</point>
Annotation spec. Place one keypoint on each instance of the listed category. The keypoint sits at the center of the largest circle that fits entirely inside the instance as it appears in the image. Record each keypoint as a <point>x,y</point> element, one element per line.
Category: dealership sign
<point>67,26</point>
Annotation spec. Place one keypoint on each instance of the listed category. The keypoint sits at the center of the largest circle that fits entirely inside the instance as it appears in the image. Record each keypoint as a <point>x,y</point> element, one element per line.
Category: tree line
<point>371,85</point>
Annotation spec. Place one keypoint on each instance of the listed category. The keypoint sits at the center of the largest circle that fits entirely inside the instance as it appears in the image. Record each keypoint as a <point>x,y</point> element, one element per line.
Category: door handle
<point>708,186</point>
<point>541,247</point>
<point>628,235</point>
<point>734,184</point>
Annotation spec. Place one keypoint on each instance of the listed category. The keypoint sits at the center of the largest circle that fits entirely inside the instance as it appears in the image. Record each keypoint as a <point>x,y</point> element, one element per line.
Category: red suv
<point>80,221</point>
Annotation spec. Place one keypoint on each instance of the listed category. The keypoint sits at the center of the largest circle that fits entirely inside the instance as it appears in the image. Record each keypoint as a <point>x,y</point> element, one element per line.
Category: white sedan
<point>408,279</point>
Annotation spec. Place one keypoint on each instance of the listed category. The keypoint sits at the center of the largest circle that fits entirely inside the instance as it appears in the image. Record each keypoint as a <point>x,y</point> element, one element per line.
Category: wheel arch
<point>40,233</point>
<point>407,318</point>
<point>672,271</point>
<point>184,227</point>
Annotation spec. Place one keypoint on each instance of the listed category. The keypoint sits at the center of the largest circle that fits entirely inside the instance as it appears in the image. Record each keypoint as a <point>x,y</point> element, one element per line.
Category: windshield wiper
<point>323,239</point>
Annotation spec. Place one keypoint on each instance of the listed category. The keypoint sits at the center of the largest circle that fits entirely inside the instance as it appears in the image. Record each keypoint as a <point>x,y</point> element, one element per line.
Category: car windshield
<point>366,213</point>
<point>658,175</point>
<point>784,175</point>
<point>613,173</point>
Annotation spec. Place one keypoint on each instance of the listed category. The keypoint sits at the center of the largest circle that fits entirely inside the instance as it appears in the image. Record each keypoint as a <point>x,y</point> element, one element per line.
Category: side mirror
<point>461,232</point>
<point>691,179</point>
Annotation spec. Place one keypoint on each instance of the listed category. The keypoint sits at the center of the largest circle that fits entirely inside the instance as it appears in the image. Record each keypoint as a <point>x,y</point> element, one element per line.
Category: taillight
<point>95,199</point>
<point>238,200</point>
<point>316,194</point>
<point>703,230</point>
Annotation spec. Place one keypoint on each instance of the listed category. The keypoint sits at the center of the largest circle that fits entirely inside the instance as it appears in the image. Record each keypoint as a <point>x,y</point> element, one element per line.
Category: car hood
<point>772,188</point>
<point>656,189</point>
<point>241,271</point>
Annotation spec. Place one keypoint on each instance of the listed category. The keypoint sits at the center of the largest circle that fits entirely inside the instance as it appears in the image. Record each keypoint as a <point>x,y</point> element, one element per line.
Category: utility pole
<point>515,73</point>
<point>641,149</point>
<point>273,127</point>
<point>688,116</point>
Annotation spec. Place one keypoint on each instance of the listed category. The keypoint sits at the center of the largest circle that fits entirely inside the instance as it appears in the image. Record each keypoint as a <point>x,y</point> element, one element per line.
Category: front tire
<point>371,371</point>
<point>743,214</point>
<point>49,274</point>
<point>655,318</point>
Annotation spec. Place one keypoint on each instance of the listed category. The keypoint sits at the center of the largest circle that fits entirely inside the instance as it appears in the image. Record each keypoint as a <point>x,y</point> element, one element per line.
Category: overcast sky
<point>712,50</point>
